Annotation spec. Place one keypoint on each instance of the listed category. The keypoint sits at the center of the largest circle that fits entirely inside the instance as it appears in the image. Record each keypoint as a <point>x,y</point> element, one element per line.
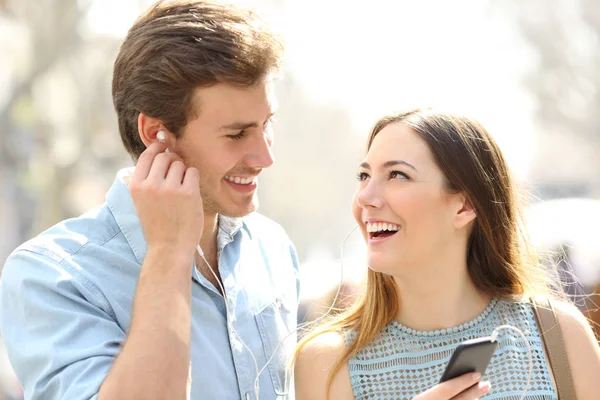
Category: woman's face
<point>406,215</point>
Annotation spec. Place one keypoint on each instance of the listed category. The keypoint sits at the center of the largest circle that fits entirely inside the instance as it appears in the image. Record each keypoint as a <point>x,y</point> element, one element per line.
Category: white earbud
<point>161,137</point>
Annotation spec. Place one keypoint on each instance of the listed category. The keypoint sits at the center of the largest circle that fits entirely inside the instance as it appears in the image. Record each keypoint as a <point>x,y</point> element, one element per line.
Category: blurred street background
<point>528,70</point>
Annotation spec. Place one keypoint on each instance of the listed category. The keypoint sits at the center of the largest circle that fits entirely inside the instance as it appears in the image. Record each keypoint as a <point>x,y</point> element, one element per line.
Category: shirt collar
<point>230,225</point>
<point>120,204</point>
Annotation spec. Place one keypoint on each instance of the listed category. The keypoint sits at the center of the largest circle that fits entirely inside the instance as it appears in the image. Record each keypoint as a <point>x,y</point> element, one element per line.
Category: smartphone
<point>470,356</point>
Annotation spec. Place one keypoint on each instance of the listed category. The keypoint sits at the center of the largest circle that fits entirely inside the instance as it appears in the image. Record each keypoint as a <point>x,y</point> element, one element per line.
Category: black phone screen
<point>470,356</point>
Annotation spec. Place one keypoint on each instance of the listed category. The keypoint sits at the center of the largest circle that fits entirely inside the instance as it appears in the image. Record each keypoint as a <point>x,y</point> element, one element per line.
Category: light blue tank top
<point>402,362</point>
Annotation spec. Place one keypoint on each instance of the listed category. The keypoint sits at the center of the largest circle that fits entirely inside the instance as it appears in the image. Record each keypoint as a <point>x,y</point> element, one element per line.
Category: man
<point>118,303</point>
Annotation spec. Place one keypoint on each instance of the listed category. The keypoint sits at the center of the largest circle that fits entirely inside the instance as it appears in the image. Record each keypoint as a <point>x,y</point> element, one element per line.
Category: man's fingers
<point>476,391</point>
<point>160,167</point>
<point>176,173</point>
<point>144,163</point>
<point>191,179</point>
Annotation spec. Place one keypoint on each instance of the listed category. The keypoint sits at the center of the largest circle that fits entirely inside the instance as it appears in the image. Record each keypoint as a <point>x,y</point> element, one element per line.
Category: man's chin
<point>239,210</point>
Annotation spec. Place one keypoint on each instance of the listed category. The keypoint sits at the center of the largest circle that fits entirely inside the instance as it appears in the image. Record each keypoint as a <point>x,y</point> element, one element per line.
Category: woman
<point>447,262</point>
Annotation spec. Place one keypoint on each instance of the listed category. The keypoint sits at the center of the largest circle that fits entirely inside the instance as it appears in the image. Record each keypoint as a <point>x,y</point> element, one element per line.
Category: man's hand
<point>155,360</point>
<point>167,199</point>
<point>465,387</point>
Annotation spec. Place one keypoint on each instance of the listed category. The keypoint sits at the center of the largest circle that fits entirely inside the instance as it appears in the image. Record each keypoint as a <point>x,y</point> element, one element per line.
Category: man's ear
<point>148,128</point>
<point>465,211</point>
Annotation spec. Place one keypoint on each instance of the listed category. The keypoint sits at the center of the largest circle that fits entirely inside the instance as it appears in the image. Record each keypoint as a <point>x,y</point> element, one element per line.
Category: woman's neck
<point>439,297</point>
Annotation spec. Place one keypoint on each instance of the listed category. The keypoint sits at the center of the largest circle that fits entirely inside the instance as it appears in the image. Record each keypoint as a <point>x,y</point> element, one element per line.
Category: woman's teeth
<point>381,226</point>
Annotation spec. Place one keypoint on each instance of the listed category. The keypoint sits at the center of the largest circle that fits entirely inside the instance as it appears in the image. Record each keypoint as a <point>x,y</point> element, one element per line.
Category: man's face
<point>229,143</point>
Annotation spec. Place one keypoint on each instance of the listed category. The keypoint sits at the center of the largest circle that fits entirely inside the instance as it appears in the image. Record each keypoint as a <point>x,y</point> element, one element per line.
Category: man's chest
<point>249,330</point>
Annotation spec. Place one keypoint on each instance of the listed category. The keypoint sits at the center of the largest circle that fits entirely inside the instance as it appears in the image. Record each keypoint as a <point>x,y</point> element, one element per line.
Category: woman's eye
<point>362,176</point>
<point>398,174</point>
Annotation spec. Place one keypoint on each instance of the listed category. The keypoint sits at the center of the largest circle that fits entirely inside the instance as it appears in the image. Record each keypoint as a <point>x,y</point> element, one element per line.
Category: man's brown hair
<point>178,46</point>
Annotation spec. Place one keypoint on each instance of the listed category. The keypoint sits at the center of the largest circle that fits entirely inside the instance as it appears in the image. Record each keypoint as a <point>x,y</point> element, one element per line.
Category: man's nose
<point>260,154</point>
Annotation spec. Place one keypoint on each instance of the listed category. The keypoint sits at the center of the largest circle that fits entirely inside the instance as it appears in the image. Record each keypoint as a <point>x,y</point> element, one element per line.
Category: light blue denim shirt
<point>67,295</point>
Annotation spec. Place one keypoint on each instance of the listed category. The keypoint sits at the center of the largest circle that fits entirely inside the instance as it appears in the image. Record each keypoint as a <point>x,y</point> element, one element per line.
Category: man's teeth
<point>381,226</point>
<point>241,181</point>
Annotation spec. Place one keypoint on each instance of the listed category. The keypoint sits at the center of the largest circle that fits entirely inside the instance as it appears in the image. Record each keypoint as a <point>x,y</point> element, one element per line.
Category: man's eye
<point>238,136</point>
<point>268,123</point>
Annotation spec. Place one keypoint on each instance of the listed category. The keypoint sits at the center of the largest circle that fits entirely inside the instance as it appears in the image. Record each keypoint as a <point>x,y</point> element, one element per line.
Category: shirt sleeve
<point>60,333</point>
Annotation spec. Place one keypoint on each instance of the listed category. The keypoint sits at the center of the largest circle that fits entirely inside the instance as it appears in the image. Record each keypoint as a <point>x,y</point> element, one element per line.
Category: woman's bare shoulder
<point>314,364</point>
<point>325,345</point>
<point>583,350</point>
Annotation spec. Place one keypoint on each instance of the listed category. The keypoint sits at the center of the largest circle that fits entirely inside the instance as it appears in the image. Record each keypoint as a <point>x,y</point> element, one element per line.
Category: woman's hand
<point>465,387</point>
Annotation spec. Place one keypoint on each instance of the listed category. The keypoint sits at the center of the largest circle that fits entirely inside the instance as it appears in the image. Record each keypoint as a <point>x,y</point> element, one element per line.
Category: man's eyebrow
<point>239,126</point>
<point>388,164</point>
<point>243,125</point>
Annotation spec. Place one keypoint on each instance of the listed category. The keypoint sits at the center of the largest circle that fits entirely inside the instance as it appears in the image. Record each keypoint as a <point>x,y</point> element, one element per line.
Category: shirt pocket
<point>275,322</point>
